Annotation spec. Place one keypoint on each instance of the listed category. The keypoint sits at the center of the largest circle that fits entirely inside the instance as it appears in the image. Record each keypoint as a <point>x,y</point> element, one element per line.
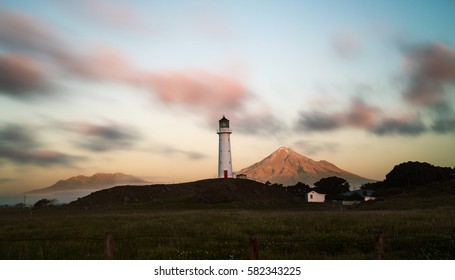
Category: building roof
<point>223,119</point>
<point>316,192</point>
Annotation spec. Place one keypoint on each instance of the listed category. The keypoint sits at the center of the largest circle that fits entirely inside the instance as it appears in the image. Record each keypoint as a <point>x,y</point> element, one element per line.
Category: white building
<point>315,197</point>
<point>224,151</point>
<point>369,198</point>
<point>241,176</point>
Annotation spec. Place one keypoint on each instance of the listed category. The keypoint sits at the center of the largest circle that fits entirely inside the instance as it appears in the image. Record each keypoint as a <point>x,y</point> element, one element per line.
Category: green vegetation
<point>224,234</point>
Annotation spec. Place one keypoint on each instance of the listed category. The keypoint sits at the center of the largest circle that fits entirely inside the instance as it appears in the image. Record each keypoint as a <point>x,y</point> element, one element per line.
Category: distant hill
<point>287,167</point>
<point>209,191</point>
<point>78,186</point>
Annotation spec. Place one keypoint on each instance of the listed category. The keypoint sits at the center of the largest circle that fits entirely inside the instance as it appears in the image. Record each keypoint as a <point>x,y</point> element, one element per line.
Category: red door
<point>225,174</point>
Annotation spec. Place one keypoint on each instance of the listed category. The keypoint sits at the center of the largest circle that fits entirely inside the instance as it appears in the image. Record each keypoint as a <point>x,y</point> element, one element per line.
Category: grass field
<point>224,234</point>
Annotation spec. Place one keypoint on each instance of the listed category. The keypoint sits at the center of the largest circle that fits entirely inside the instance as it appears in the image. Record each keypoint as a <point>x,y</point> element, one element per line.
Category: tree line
<point>404,177</point>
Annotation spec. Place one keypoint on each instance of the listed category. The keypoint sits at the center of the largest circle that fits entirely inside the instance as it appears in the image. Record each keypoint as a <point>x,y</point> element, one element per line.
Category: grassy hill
<point>428,196</point>
<point>198,220</point>
<point>229,192</point>
<point>248,194</point>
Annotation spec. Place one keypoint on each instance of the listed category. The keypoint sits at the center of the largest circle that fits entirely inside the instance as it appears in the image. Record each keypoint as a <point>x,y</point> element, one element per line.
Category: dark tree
<point>332,185</point>
<point>411,174</point>
<point>299,189</point>
<point>355,197</point>
<point>44,202</point>
<point>373,186</point>
<point>408,176</point>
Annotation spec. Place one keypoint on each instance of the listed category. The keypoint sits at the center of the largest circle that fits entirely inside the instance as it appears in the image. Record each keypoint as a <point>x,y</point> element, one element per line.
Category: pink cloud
<point>26,34</point>
<point>108,13</point>
<point>361,115</point>
<point>195,89</point>
<point>346,45</point>
<point>19,73</point>
<point>435,61</point>
<point>432,66</point>
<point>23,33</point>
<point>198,88</point>
<point>105,63</point>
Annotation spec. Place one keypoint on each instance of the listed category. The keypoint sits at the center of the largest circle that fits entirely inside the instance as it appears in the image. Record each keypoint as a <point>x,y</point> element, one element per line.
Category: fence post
<point>254,251</point>
<point>109,247</point>
<point>379,243</point>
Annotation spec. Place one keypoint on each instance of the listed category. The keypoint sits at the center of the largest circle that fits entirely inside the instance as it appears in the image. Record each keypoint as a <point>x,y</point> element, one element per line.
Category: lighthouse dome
<point>224,122</point>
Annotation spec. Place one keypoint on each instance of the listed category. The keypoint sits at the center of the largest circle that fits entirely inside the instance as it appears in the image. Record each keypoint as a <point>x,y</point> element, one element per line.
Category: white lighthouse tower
<point>224,151</point>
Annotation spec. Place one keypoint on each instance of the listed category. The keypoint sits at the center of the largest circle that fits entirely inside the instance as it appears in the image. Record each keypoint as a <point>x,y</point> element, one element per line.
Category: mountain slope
<point>208,191</point>
<point>285,166</point>
<point>72,188</point>
<point>96,182</point>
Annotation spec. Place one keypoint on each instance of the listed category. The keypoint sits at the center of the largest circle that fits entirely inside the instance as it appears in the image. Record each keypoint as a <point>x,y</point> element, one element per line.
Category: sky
<point>139,86</point>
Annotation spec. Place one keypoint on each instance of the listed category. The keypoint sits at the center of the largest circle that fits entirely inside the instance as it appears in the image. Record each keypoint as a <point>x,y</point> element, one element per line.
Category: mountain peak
<point>287,167</point>
<point>283,148</point>
<point>284,154</point>
<point>95,182</point>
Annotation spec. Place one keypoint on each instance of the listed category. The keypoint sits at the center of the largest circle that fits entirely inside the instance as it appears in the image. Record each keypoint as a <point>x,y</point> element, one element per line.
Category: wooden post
<point>254,251</point>
<point>109,247</point>
<point>379,243</point>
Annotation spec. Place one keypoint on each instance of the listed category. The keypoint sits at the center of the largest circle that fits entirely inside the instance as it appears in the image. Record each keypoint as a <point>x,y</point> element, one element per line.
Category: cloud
<point>19,144</point>
<point>258,122</point>
<point>168,150</point>
<point>107,13</point>
<point>361,115</point>
<point>211,24</point>
<point>411,125</point>
<point>346,45</point>
<point>318,121</point>
<point>105,63</point>
<point>26,34</point>
<point>17,136</point>
<point>196,90</point>
<point>38,157</point>
<point>203,90</point>
<point>431,80</point>
<point>309,147</point>
<point>21,33</point>
<point>432,66</point>
<point>5,180</point>
<point>102,138</point>
<point>21,76</point>
<point>445,125</point>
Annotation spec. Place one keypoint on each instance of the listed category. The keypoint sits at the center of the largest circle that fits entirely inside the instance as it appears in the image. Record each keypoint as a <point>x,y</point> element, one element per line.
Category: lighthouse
<point>224,151</point>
